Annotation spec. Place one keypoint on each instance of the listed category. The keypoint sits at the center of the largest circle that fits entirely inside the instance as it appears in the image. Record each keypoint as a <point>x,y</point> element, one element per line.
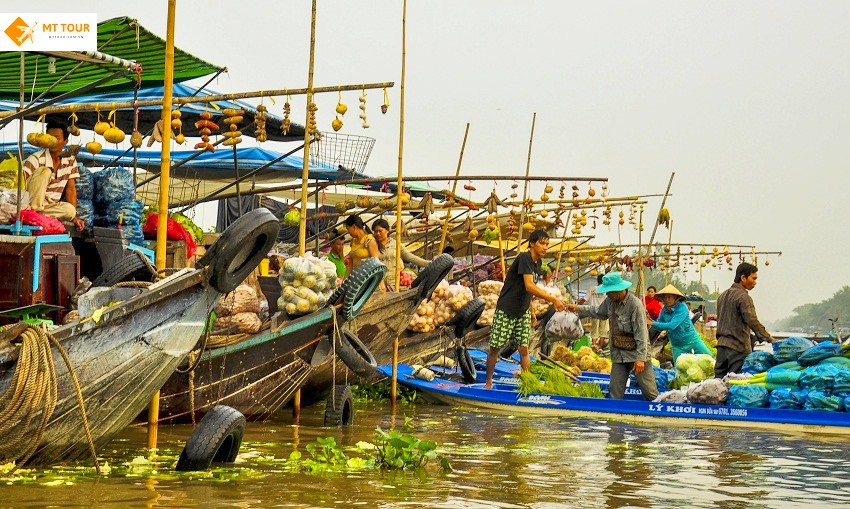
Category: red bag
<point>49,225</point>
<point>174,231</point>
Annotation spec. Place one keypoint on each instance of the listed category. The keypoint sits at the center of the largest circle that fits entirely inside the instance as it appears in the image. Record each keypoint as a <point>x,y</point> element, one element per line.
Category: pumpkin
<point>114,135</point>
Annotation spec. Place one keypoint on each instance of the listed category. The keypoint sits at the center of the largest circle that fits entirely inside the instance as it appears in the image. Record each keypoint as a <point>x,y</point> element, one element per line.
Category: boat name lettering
<point>676,409</point>
<point>536,398</point>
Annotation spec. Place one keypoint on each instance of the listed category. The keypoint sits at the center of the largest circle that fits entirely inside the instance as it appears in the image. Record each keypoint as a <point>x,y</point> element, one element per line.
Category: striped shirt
<point>67,170</point>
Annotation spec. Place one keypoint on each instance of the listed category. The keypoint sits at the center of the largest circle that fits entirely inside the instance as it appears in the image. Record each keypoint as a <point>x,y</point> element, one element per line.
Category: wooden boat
<point>125,356</point>
<point>504,398</point>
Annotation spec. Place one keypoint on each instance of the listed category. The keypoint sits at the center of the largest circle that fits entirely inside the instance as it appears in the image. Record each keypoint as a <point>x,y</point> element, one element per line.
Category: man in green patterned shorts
<point>512,320</point>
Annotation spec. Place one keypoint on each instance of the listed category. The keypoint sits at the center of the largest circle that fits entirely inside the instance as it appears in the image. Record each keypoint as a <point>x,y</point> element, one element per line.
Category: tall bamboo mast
<point>525,185</point>
<point>652,237</point>
<point>454,190</point>
<point>164,175</point>
<point>305,172</point>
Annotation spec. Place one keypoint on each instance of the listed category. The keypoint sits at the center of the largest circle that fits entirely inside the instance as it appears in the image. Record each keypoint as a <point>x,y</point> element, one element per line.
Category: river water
<point>498,462</point>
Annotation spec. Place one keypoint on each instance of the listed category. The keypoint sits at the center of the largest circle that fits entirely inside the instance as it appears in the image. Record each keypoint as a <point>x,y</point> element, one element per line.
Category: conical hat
<point>670,290</point>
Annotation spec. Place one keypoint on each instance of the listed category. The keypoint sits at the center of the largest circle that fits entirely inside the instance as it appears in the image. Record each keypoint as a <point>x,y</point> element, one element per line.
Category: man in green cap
<point>626,317</point>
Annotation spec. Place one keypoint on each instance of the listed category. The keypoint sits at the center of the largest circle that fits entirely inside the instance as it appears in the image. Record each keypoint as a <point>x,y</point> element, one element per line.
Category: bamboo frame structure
<point>521,224</point>
<point>454,189</point>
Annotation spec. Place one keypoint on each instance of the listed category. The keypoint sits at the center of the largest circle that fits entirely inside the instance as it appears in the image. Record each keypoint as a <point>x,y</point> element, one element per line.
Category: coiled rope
<point>34,392</point>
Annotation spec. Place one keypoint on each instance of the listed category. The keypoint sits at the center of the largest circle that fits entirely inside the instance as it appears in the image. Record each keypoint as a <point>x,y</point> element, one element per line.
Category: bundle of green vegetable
<point>555,382</point>
<point>773,378</point>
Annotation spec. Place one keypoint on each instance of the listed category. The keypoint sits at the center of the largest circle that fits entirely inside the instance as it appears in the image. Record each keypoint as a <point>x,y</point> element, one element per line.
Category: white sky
<point>748,102</point>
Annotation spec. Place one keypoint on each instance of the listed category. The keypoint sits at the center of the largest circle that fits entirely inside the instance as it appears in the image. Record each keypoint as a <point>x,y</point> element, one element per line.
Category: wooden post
<point>501,250</point>
<point>164,175</point>
<point>454,188</point>
<point>296,406</point>
<point>654,230</point>
<point>305,171</point>
<point>394,379</point>
<point>525,185</point>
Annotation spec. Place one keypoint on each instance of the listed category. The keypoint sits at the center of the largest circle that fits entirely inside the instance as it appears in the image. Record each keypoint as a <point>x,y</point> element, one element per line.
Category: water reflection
<point>629,465</point>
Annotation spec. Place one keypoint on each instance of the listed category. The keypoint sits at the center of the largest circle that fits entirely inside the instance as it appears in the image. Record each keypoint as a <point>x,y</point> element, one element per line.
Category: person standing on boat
<point>363,244</point>
<point>512,319</point>
<point>736,315</point>
<point>674,319</point>
<point>386,245</point>
<point>337,254</point>
<point>629,338</point>
<point>50,178</point>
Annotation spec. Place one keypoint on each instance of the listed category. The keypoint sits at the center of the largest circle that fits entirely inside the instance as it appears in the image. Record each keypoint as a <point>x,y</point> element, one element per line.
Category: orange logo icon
<point>19,31</point>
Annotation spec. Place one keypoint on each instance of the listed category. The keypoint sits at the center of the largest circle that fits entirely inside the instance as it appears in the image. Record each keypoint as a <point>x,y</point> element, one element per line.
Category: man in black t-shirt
<point>512,320</point>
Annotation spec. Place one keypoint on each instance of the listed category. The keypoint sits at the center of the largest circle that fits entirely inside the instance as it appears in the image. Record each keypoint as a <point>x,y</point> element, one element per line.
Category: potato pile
<point>489,291</point>
<point>306,283</point>
<point>238,312</point>
<point>584,358</point>
<point>443,305</point>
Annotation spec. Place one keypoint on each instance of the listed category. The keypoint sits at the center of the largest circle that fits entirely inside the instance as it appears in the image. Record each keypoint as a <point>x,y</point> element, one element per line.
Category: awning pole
<point>305,172</point>
<point>454,189</point>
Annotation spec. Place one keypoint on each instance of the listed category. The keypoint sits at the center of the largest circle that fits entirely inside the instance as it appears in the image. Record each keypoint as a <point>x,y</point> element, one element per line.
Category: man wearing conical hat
<point>626,317</point>
<point>675,319</point>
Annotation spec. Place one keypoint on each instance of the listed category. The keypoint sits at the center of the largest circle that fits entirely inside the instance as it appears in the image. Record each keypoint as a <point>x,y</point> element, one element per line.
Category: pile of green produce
<point>555,382</point>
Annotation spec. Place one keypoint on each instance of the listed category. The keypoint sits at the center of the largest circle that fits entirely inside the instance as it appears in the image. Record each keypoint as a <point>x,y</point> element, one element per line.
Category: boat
<point>123,353</point>
<point>504,398</point>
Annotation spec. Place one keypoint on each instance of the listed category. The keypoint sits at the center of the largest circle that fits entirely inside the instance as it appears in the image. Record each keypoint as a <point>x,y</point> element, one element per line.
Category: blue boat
<point>504,398</point>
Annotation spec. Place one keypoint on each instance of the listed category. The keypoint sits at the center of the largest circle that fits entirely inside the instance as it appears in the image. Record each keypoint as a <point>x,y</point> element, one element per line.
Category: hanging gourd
<point>386,105</point>
<point>93,147</point>
<point>100,126</point>
<point>176,125</point>
<point>42,139</point>
<point>312,126</point>
<point>427,205</point>
<point>286,124</point>
<point>260,124</point>
<point>73,129</point>
<point>362,100</point>
<point>548,189</point>
<point>469,187</point>
<point>232,116</point>
<point>114,134</point>
<point>136,139</point>
<point>205,127</point>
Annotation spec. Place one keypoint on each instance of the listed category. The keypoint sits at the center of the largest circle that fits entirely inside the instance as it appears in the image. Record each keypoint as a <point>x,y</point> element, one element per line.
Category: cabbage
<point>692,368</point>
<point>292,217</point>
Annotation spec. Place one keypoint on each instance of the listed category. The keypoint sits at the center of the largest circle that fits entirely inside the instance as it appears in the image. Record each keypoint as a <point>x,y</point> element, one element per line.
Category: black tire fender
<point>240,249</point>
<point>134,267</point>
<point>216,438</point>
<point>339,408</point>
<point>359,286</point>
<point>507,351</point>
<point>355,354</point>
<point>465,319</point>
<point>435,272</point>
<point>467,366</point>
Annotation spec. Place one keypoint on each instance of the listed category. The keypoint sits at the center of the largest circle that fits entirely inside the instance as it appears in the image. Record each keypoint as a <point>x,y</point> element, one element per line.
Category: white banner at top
<point>48,31</point>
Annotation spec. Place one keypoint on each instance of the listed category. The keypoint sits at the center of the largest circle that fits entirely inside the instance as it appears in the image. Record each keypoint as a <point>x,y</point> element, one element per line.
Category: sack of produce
<point>819,378</point>
<point>113,185</point>
<point>440,291</point>
<point>540,306</point>
<point>489,291</point>
<point>841,384</point>
<point>49,225</point>
<point>85,183</point>
<point>748,396</point>
<point>9,204</point>
<point>423,319</point>
<point>306,284</point>
<point>240,323</point>
<point>490,287</point>
<point>674,396</point>
<point>174,231</point>
<point>85,211</point>
<point>785,398</point>
<point>821,351</point>
<point>708,392</point>
<point>735,376</point>
<point>443,312</point>
<point>758,362</point>
<point>692,368</point>
<point>790,349</point>
<point>241,300</point>
<point>661,379</point>
<point>9,172</point>
<point>457,296</point>
<point>818,400</point>
<point>564,326</point>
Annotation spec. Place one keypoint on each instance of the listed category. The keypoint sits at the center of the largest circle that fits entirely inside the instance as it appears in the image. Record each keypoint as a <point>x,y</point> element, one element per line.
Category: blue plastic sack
<point>751,396</point>
<point>817,400</point>
<point>819,378</point>
<point>758,362</point>
<point>790,349</point>
<point>85,211</point>
<point>84,184</point>
<point>819,352</point>
<point>114,185</point>
<point>133,233</point>
<point>661,380</point>
<point>788,399</point>
<point>841,383</point>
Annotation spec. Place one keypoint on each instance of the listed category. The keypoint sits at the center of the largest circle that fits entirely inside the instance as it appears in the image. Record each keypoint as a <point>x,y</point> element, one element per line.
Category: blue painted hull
<point>503,398</point>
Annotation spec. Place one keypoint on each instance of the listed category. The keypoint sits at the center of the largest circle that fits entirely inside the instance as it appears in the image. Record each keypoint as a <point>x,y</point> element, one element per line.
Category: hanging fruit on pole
<point>362,100</point>
<point>260,124</point>
<point>232,117</point>
<point>286,124</point>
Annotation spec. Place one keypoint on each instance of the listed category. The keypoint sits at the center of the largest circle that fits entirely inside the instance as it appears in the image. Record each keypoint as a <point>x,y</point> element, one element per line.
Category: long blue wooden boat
<point>504,398</point>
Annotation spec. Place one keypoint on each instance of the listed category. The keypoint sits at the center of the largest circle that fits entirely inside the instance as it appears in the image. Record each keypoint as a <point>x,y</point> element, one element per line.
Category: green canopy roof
<point>149,51</point>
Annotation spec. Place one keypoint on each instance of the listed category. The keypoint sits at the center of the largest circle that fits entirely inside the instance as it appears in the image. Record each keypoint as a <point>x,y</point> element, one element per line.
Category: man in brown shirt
<point>736,315</point>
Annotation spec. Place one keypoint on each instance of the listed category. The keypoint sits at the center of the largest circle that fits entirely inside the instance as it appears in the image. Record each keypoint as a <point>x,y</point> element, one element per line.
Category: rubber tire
<point>359,286</point>
<point>129,268</point>
<point>241,248</point>
<point>467,366</point>
<point>339,408</point>
<point>216,438</point>
<point>355,354</point>
<point>507,351</point>
<point>466,318</point>
<point>435,272</point>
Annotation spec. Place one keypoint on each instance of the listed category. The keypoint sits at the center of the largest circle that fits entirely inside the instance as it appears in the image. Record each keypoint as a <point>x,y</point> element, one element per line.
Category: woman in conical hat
<point>676,320</point>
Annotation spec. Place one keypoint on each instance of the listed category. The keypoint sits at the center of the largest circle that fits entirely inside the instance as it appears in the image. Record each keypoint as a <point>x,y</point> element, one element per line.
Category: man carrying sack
<point>629,338</point>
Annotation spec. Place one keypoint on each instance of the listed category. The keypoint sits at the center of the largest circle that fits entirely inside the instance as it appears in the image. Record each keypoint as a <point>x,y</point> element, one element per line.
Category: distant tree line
<point>817,315</point>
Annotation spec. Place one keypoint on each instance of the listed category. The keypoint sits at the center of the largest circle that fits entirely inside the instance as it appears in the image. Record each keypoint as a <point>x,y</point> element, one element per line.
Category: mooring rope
<point>34,390</point>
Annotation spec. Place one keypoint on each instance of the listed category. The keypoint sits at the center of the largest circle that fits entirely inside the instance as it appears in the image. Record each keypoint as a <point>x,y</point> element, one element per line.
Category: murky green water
<point>498,461</point>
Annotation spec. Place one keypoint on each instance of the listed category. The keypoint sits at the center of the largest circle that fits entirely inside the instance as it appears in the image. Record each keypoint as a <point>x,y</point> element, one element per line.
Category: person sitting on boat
<point>674,319</point>
<point>736,315</point>
<point>652,304</point>
<point>629,338</point>
<point>512,319</point>
<point>363,244</point>
<point>386,245</point>
<point>50,178</point>
<point>337,254</point>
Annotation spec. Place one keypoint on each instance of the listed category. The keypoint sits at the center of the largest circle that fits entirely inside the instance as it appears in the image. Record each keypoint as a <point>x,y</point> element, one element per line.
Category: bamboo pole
<point>69,108</point>
<point>561,247</point>
<point>164,175</point>
<point>667,268</point>
<point>305,171</point>
<point>525,184</point>
<point>454,189</point>
<point>502,254</point>
<point>641,281</point>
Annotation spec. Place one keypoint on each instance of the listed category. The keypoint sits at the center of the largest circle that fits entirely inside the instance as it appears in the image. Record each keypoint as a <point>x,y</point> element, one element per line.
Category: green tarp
<point>148,50</point>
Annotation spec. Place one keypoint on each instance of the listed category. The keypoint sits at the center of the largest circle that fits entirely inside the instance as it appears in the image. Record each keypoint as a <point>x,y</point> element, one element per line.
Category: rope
<point>333,361</point>
<point>34,390</point>
<point>132,284</point>
<point>192,384</point>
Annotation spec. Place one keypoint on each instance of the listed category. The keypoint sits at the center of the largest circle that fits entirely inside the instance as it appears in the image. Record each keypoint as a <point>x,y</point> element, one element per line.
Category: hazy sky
<point>748,102</point>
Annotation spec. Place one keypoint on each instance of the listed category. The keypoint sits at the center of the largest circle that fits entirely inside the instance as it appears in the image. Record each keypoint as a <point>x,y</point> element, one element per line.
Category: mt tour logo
<point>19,31</point>
<point>49,31</point>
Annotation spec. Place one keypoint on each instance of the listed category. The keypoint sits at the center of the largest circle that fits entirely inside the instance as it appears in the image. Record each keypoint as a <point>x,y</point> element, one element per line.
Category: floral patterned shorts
<point>505,329</point>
